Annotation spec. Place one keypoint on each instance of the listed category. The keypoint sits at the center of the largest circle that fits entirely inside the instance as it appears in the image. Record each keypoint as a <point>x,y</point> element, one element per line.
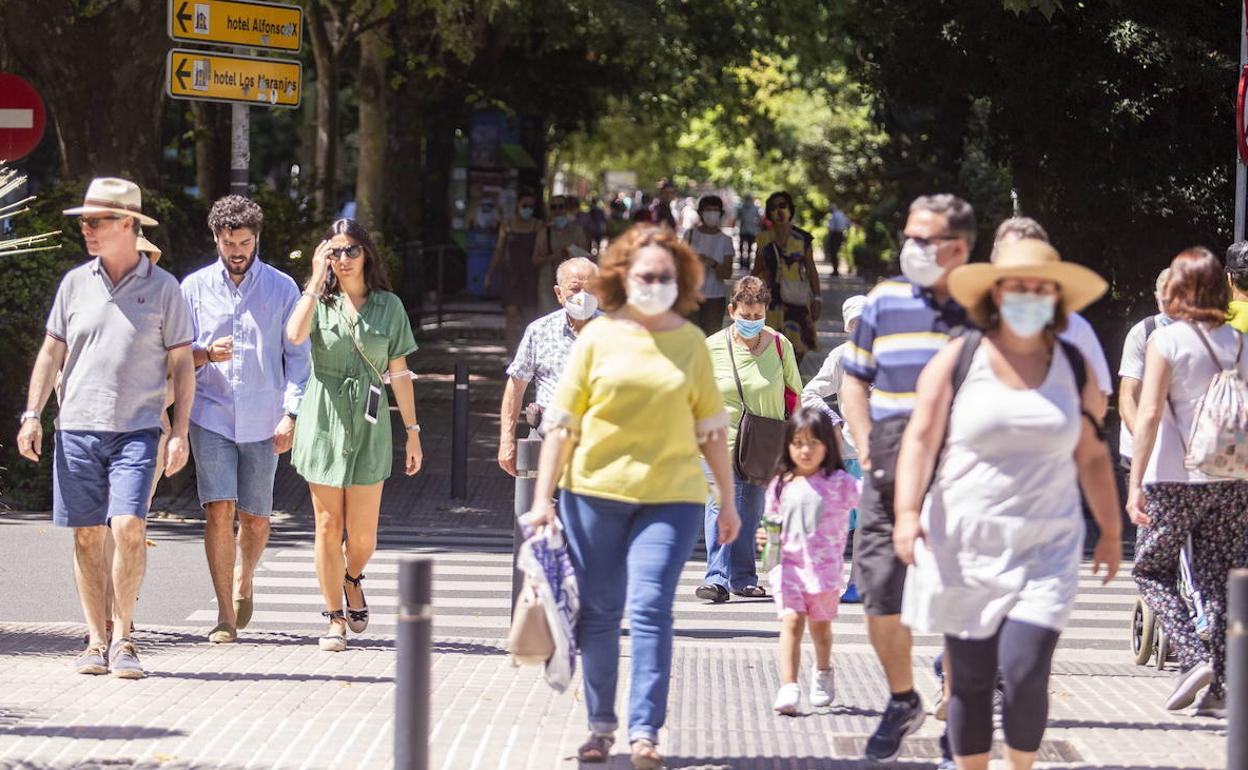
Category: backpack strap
<point>970,343</point>
<point>1150,326</point>
<point>1079,368</point>
<point>1212,355</point>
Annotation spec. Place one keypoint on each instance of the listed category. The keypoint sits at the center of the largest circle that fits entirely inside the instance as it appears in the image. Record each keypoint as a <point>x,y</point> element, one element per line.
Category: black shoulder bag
<point>760,440</point>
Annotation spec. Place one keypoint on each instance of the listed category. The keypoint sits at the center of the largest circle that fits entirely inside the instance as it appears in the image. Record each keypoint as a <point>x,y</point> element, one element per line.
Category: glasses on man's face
<point>557,207</point>
<point>925,241</point>
<point>349,252</point>
<point>653,278</point>
<point>93,223</point>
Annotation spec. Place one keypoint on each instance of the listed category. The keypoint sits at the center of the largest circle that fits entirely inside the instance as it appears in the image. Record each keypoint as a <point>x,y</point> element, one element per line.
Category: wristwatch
<point>414,427</point>
<point>292,415</point>
<point>29,414</point>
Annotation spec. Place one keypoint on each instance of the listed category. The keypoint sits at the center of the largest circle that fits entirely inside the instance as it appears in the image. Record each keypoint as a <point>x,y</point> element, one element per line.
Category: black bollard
<point>459,433</point>
<point>414,642</point>
<point>1237,670</point>
<point>528,450</point>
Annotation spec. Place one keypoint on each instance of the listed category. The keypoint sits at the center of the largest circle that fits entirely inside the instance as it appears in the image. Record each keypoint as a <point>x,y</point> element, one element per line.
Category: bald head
<point>577,270</point>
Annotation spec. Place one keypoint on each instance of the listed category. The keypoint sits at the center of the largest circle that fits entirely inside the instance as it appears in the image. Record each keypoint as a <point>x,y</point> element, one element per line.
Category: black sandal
<point>357,620</point>
<point>712,592</point>
<point>333,641</point>
<point>596,749</point>
<point>752,592</point>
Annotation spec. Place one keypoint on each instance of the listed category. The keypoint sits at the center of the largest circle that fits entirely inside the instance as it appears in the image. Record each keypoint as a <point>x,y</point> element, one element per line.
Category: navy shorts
<point>240,473</point>
<point>97,475</point>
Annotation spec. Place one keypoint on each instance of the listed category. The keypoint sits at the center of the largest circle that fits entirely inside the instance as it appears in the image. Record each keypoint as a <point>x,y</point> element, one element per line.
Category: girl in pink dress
<point>812,497</point>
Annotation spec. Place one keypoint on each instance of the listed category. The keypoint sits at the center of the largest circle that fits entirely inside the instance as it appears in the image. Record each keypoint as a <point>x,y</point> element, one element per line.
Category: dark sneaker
<point>1187,684</point>
<point>93,660</point>
<point>712,592</point>
<point>125,660</point>
<point>900,719</point>
<point>946,754</point>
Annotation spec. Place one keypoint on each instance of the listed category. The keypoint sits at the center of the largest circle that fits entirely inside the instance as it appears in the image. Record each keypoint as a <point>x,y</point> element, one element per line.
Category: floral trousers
<point>1214,515</point>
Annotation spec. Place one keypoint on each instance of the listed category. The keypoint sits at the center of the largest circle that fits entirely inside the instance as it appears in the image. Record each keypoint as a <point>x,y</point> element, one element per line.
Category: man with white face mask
<point>907,320</point>
<point>714,248</point>
<point>544,350</point>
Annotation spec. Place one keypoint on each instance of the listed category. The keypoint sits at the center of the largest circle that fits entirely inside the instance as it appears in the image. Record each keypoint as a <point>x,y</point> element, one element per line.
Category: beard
<point>238,265</point>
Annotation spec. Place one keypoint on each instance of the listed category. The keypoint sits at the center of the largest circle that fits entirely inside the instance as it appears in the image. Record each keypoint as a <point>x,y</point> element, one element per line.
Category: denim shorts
<point>240,473</point>
<point>97,475</point>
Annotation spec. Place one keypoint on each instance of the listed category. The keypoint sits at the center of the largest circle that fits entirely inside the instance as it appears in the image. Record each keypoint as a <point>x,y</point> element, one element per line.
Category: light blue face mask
<point>748,329</point>
<point>1027,314</point>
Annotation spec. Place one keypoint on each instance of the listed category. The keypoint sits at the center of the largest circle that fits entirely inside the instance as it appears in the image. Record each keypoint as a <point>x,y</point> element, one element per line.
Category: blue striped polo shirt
<point>901,328</point>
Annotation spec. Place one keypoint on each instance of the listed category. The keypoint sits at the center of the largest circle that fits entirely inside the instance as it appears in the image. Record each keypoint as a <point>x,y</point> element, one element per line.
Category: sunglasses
<point>349,252</point>
<point>653,278</point>
<point>93,223</point>
<point>925,242</point>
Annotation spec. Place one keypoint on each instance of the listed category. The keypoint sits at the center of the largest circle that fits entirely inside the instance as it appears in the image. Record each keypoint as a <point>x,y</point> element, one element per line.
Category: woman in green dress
<point>361,337</point>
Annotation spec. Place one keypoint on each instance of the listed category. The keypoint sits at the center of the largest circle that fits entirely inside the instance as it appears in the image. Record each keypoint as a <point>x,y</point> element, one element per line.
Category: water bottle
<point>771,551</point>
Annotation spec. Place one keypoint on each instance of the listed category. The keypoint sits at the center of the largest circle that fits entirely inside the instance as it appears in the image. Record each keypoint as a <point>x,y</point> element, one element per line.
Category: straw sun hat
<point>1030,258</point>
<point>108,195</point>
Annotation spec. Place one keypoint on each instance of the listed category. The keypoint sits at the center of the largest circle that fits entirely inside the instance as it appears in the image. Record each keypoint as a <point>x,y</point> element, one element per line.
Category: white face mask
<point>918,263</point>
<point>652,298</point>
<point>581,306</point>
<point>1027,314</point>
<point>711,218</point>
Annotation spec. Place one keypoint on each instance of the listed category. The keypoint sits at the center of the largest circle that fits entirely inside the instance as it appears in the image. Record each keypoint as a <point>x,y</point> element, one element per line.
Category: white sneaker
<point>822,688</point>
<point>788,699</point>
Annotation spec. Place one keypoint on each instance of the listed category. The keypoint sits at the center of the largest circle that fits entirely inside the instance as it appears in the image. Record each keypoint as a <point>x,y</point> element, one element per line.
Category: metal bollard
<point>1237,670</point>
<point>459,433</point>
<point>414,642</point>
<point>528,450</point>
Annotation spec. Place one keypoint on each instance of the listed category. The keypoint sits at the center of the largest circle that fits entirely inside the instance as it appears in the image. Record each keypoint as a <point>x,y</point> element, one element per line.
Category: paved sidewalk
<point>278,702</point>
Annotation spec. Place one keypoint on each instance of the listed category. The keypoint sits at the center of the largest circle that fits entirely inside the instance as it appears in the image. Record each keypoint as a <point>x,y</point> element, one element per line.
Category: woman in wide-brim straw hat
<point>996,546</point>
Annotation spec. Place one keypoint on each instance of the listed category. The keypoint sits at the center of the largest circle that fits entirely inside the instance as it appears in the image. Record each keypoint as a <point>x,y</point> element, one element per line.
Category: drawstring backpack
<point>1218,442</point>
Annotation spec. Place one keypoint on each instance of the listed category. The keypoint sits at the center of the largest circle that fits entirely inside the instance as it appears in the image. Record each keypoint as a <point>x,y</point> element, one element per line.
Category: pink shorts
<point>818,607</point>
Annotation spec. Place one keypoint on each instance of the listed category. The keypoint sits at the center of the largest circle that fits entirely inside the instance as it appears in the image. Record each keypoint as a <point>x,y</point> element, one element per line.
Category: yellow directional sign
<point>217,77</point>
<point>241,23</point>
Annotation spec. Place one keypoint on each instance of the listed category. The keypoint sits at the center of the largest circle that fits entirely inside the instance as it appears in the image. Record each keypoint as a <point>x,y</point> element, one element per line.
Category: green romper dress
<point>334,445</point>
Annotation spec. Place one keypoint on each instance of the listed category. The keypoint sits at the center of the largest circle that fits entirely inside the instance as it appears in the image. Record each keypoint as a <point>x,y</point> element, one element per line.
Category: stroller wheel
<point>1143,625</point>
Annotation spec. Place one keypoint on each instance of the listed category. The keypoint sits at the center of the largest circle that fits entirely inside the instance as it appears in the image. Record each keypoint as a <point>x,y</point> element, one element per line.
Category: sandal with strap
<point>645,755</point>
<point>357,620</point>
<point>752,592</point>
<point>334,641</point>
<point>596,749</point>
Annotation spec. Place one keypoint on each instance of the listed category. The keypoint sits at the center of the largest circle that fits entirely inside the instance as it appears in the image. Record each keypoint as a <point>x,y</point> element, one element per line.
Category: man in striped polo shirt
<point>906,321</point>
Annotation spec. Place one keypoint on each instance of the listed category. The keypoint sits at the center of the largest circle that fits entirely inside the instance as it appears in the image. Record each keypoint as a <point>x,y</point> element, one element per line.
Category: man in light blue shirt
<point>248,384</point>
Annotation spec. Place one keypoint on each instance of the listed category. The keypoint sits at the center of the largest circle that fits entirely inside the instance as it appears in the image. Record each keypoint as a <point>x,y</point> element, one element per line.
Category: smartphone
<point>372,403</point>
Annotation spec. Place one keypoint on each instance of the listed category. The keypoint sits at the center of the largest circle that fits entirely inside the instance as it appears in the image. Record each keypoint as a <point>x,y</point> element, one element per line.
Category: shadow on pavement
<point>257,676</point>
<point>94,732</point>
<point>115,763</point>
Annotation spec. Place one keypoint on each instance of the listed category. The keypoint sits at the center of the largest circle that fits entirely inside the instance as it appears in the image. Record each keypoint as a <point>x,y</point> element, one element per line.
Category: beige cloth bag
<point>529,641</point>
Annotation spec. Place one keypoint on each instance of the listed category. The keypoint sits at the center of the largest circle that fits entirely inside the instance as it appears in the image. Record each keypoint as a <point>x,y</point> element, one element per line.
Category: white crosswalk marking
<point>472,593</point>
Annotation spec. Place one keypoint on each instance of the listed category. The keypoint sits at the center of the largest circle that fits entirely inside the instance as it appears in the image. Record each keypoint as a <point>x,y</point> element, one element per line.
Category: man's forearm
<point>509,413</point>
<point>42,380</point>
<point>199,357</point>
<point>854,405</point>
<point>184,389</point>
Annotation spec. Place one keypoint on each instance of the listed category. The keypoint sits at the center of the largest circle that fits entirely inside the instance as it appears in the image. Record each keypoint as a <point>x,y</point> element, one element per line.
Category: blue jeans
<point>618,550</point>
<point>734,566</point>
<point>97,475</point>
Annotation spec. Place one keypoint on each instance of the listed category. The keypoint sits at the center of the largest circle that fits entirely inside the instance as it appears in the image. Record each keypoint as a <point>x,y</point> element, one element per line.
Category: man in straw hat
<point>117,327</point>
<point>998,543</point>
<point>246,400</point>
<point>905,322</point>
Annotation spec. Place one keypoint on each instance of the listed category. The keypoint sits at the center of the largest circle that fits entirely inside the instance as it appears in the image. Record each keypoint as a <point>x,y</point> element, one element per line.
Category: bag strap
<point>1150,326</point>
<point>380,379</point>
<point>740,391</point>
<point>1209,347</point>
<point>970,343</point>
<point>1079,369</point>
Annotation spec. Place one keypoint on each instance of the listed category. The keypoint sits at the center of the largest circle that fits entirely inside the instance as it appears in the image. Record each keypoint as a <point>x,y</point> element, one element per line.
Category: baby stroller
<point>1148,638</point>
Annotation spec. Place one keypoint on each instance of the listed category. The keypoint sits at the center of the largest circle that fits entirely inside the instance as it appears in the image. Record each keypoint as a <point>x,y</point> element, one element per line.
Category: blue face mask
<point>1027,314</point>
<point>561,221</point>
<point>749,329</point>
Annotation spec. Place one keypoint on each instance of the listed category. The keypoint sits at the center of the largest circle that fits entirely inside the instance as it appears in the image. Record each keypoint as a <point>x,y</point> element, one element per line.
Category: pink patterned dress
<point>814,511</point>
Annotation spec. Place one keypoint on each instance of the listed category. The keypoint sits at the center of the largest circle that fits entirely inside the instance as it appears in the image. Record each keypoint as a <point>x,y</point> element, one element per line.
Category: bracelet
<point>29,414</point>
<point>312,294</point>
<point>414,427</point>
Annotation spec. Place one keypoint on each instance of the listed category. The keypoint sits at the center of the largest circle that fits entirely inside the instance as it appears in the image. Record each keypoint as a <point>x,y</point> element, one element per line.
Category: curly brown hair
<point>1197,289</point>
<point>611,283</point>
<point>234,212</point>
<point>750,290</point>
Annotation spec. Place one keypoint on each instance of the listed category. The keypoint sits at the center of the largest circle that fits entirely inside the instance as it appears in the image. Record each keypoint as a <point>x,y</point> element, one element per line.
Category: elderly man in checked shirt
<point>544,350</point>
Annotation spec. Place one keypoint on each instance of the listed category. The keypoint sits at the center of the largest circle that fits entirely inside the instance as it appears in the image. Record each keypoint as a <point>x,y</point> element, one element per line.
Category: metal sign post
<point>1241,171</point>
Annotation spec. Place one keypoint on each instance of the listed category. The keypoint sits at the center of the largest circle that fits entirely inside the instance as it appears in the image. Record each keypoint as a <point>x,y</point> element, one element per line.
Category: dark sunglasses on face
<point>652,278</point>
<point>350,252</point>
<point>557,207</point>
<point>925,242</point>
<point>93,223</point>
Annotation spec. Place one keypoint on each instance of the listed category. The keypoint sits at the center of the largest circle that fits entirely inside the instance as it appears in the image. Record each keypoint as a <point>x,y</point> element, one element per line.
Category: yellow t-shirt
<point>639,400</point>
<point>1237,315</point>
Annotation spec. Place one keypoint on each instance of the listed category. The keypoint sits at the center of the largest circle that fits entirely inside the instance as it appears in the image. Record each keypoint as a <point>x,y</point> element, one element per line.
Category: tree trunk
<point>371,87</point>
<point>212,128</point>
<point>325,55</point>
<point>104,128</point>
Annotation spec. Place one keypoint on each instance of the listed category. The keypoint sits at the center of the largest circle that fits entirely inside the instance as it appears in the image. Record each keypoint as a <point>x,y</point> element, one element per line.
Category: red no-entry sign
<point>21,117</point>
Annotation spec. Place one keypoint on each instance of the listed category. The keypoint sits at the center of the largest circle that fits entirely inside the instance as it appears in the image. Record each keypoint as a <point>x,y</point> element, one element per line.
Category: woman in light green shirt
<point>360,338</point>
<point>767,366</point>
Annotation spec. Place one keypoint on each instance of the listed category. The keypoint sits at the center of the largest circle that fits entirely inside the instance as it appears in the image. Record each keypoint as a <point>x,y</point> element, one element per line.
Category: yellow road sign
<point>216,77</point>
<point>242,23</point>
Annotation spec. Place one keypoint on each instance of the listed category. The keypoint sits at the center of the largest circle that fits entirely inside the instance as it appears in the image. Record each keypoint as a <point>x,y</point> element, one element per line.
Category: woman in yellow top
<point>785,260</point>
<point>636,409</point>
